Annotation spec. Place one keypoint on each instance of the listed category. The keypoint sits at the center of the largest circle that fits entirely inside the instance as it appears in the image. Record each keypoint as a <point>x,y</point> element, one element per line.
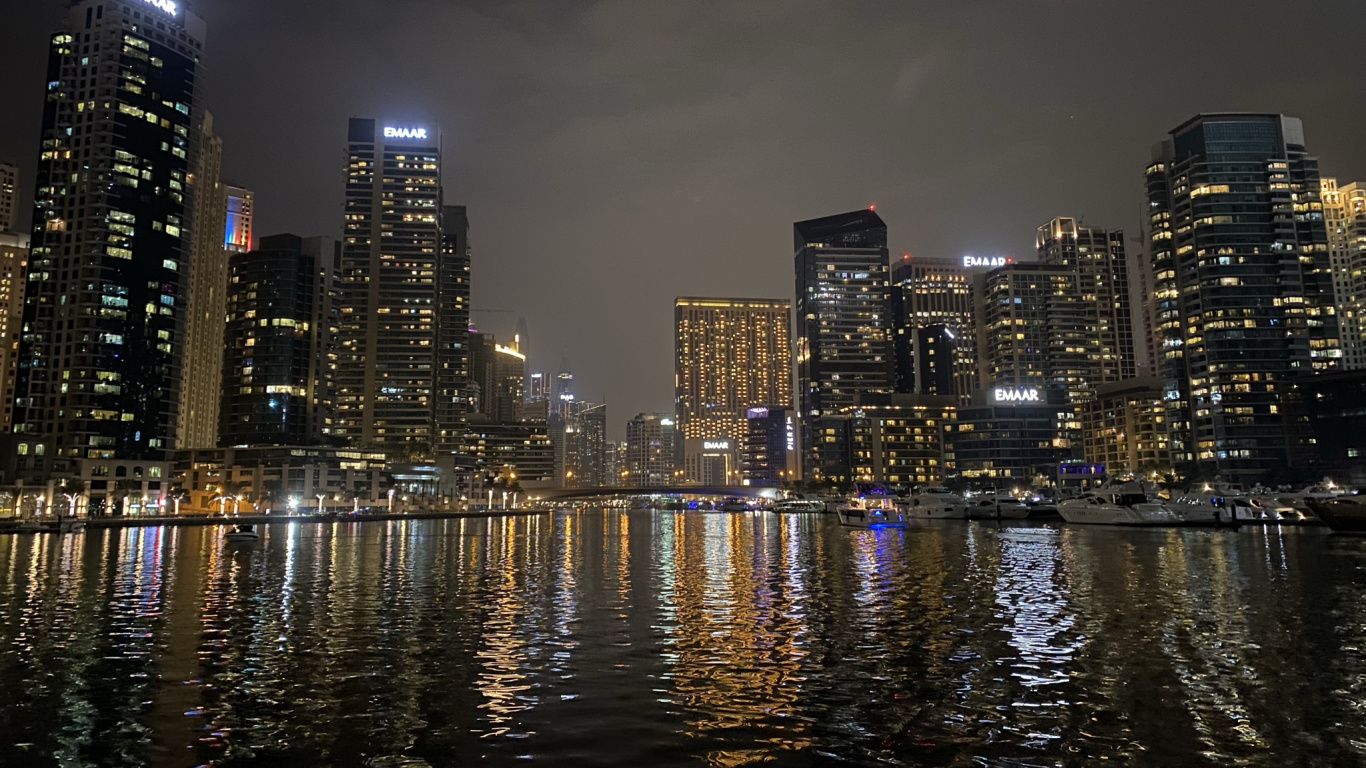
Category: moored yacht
<point>1343,514</point>
<point>796,506</point>
<point>997,506</point>
<point>1122,504</point>
<point>872,505</point>
<point>936,503</point>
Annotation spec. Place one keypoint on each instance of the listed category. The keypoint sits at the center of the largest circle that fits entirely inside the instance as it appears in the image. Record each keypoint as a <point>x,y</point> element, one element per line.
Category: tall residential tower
<point>1242,286</point>
<point>104,320</point>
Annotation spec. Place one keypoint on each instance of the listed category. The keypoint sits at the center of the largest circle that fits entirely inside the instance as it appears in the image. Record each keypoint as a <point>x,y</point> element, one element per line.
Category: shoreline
<point>11,526</point>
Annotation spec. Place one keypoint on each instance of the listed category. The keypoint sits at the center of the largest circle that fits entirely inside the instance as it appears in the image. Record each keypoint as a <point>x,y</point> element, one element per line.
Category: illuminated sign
<point>1020,395</point>
<point>758,413</point>
<point>168,6</point>
<point>987,262</point>
<point>716,445</point>
<point>404,133</point>
<point>791,435</point>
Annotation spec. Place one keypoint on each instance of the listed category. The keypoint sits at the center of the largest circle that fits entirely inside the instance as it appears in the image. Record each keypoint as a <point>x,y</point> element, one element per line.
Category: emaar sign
<point>716,445</point>
<point>986,262</point>
<point>1015,396</point>
<point>168,6</point>
<point>404,133</point>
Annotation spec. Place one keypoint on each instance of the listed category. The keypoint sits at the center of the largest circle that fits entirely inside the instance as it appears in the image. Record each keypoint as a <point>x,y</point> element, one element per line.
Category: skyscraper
<point>453,334</point>
<point>1099,259</point>
<point>13,266</point>
<point>729,355</point>
<point>1033,329</point>
<point>241,215</point>
<point>392,264</point>
<point>649,451</point>
<point>9,198</point>
<point>1242,285</point>
<point>844,326</point>
<point>103,341</point>
<point>933,292</point>
<point>1345,211</point>
<point>281,341</point>
<point>201,374</point>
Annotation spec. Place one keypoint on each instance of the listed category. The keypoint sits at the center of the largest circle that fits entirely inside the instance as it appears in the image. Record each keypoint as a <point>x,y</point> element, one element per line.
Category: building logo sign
<point>716,445</point>
<point>758,413</point>
<point>791,435</point>
<point>391,132</point>
<point>1020,395</point>
<point>168,6</point>
<point>986,262</point>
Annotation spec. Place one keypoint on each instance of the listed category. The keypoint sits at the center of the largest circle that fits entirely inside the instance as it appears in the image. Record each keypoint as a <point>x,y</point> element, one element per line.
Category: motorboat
<point>674,504</point>
<point>242,534</point>
<point>736,505</point>
<point>1120,504</point>
<point>1343,514</point>
<point>994,506</point>
<point>935,503</point>
<point>1212,504</point>
<point>871,505</point>
<point>798,506</point>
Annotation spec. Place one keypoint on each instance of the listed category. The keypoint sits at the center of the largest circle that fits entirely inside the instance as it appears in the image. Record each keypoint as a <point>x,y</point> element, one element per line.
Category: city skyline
<point>1051,155</point>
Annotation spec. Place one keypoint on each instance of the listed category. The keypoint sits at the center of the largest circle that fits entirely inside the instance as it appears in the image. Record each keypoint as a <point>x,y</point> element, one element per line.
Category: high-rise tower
<point>201,373</point>
<point>844,328</point>
<point>9,198</point>
<point>1098,258</point>
<point>1242,286</point>
<point>729,355</point>
<point>929,292</point>
<point>104,318</point>
<point>453,333</point>
<point>392,259</point>
<point>1345,210</point>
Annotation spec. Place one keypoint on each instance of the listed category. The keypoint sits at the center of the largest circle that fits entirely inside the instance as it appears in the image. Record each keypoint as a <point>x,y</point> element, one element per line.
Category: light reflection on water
<point>663,639</point>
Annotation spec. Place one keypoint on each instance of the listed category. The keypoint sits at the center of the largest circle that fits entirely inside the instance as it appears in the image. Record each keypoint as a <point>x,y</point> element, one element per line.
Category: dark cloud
<point>617,154</point>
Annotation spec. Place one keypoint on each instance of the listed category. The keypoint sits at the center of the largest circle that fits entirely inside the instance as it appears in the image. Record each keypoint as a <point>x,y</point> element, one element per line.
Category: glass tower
<point>1242,286</point>
<point>844,328</point>
<point>391,284</point>
<point>104,317</point>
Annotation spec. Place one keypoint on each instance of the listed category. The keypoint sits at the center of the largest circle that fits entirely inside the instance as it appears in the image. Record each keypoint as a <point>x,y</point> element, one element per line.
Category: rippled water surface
<point>660,639</point>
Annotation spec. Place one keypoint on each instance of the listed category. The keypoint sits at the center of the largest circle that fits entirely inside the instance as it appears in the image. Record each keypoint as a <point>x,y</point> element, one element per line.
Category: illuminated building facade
<point>517,448</point>
<point>929,292</point>
<point>768,450</point>
<point>201,372</point>
<point>279,353</point>
<point>1333,403</point>
<point>241,215</point>
<point>13,267</point>
<point>1100,261</point>
<point>1125,428</point>
<point>729,355</point>
<point>453,336</point>
<point>899,439</point>
<point>103,344</point>
<point>1242,283</point>
<point>1345,213</point>
<point>392,265</point>
<point>844,325</point>
<point>1033,329</point>
<point>280,478</point>
<point>9,198</point>
<point>650,440</point>
<point>1010,434</point>
<point>580,441</point>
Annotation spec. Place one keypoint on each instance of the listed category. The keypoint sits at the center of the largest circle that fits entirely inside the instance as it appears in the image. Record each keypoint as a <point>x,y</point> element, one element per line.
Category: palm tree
<point>177,497</point>
<point>271,492</point>
<point>359,489</point>
<point>125,488</point>
<point>229,491</point>
<point>73,489</point>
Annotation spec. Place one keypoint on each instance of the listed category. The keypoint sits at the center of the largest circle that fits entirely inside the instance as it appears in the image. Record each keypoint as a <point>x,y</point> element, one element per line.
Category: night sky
<point>620,153</point>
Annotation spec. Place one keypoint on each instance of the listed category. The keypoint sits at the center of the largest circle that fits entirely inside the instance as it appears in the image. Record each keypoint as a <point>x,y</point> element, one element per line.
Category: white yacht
<point>1210,504</point>
<point>1123,504</point>
<point>871,506</point>
<point>936,503</point>
<point>997,506</point>
<point>797,506</point>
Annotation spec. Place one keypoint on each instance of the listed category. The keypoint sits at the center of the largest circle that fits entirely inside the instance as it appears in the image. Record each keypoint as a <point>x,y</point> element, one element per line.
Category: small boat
<point>70,525</point>
<point>242,534</point>
<point>1343,514</point>
<point>798,506</point>
<point>1119,504</point>
<point>30,526</point>
<point>673,504</point>
<point>736,505</point>
<point>872,505</point>
<point>992,506</point>
<point>936,503</point>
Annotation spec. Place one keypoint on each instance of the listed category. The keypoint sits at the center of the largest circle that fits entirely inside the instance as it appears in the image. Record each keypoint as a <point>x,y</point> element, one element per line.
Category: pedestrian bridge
<point>558,494</point>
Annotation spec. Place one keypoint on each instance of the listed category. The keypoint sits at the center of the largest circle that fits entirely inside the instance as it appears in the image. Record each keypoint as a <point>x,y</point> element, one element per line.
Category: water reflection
<point>627,639</point>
